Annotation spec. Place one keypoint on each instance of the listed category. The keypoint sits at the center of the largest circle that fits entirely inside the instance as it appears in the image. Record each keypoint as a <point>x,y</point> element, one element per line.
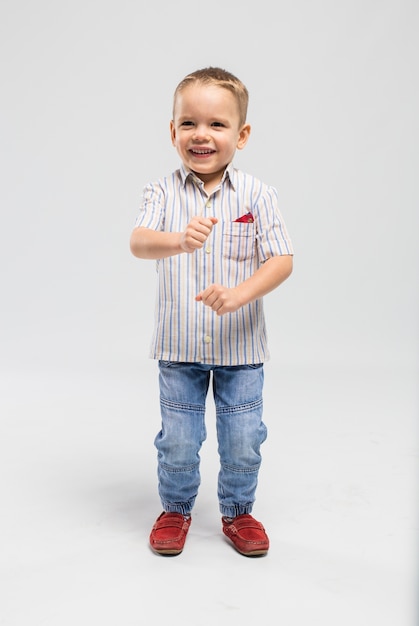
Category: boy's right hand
<point>196,233</point>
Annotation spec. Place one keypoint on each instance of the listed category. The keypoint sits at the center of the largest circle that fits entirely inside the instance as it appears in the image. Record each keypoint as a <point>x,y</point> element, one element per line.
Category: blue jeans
<point>240,432</point>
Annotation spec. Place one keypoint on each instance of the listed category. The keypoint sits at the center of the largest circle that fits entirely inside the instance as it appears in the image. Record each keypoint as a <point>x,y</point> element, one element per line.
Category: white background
<point>86,94</point>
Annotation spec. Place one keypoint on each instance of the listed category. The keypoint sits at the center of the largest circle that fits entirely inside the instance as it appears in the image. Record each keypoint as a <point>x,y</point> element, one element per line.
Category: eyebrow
<point>187,118</point>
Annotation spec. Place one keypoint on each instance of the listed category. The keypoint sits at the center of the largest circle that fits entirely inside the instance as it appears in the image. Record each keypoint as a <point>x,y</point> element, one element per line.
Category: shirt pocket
<point>239,242</point>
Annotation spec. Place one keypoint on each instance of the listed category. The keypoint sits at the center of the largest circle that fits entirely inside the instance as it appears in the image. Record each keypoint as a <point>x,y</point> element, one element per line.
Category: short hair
<point>221,78</point>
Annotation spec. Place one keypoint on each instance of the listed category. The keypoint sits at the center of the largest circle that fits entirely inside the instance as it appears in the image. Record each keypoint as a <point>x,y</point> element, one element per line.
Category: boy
<point>221,245</point>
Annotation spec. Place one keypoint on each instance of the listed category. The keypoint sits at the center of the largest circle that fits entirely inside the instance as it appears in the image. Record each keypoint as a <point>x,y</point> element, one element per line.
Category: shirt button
<point>208,250</point>
<point>207,339</point>
<point>208,204</point>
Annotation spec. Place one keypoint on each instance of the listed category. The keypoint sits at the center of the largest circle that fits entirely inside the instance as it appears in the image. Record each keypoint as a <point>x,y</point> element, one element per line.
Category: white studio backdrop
<point>86,94</point>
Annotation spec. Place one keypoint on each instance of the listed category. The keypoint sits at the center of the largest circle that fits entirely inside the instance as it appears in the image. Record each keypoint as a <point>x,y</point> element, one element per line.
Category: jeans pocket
<point>163,363</point>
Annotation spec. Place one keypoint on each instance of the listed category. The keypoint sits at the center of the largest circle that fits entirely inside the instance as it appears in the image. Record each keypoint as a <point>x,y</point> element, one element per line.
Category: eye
<point>218,124</point>
<point>187,123</point>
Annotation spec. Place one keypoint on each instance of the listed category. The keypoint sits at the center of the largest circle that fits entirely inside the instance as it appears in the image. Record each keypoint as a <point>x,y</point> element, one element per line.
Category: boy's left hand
<point>220,299</point>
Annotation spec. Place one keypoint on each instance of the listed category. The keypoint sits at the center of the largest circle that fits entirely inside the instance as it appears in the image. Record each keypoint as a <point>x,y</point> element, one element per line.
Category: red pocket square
<point>246,218</point>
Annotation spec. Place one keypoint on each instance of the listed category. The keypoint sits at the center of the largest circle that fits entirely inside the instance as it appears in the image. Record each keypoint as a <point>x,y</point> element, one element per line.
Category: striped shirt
<point>189,331</point>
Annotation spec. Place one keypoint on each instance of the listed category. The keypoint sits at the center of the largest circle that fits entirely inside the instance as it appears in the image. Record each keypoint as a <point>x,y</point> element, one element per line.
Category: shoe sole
<point>167,552</point>
<point>251,553</point>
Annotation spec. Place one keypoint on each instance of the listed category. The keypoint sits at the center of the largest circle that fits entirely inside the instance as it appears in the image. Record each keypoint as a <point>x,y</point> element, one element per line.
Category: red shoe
<point>169,532</point>
<point>247,534</point>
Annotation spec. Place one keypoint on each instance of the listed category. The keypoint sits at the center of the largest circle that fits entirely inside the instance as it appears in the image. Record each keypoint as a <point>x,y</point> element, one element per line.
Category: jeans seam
<point>177,470</point>
<point>241,470</point>
<point>240,408</point>
<point>170,404</point>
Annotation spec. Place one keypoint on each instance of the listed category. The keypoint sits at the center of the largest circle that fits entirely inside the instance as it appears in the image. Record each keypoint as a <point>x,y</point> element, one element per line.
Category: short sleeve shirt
<point>189,331</point>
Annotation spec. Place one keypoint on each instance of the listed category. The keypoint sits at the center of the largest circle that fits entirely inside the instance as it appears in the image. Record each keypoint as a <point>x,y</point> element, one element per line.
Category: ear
<point>173,132</point>
<point>243,136</point>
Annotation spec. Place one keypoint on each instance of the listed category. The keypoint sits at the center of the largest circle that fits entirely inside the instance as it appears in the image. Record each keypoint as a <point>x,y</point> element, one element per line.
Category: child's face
<point>206,130</point>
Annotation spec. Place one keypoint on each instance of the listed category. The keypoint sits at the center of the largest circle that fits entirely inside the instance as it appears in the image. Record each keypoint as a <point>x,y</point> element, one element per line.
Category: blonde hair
<point>221,78</point>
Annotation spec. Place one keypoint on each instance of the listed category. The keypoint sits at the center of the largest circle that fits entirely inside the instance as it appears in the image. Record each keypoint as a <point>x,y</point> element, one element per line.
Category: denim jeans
<point>240,432</point>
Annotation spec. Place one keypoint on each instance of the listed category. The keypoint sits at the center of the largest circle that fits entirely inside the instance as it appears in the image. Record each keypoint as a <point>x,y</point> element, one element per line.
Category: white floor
<point>337,494</point>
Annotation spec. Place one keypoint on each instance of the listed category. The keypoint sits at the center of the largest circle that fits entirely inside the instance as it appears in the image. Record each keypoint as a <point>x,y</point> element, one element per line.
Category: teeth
<point>202,151</point>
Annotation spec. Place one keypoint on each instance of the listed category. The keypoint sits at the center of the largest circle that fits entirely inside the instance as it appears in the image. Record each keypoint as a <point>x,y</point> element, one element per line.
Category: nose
<point>201,133</point>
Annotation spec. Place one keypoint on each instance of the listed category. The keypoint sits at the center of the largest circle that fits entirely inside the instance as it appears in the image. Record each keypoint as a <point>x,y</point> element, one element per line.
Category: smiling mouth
<point>203,152</point>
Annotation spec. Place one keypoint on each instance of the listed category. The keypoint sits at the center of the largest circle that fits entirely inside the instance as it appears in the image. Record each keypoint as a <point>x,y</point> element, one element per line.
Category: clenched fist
<point>196,233</point>
<point>220,299</point>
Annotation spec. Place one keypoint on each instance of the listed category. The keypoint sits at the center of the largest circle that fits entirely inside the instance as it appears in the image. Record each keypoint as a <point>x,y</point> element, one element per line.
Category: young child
<point>221,245</point>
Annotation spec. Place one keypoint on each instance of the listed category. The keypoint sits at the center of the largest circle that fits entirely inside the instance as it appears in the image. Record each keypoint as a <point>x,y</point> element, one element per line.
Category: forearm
<point>146,243</point>
<point>267,278</point>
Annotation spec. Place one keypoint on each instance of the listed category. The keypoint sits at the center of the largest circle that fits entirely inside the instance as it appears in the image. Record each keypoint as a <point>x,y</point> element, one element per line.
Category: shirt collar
<point>229,174</point>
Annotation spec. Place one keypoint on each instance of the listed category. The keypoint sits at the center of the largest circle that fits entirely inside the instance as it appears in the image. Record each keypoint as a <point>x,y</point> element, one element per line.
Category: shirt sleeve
<point>272,235</point>
<point>151,214</point>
